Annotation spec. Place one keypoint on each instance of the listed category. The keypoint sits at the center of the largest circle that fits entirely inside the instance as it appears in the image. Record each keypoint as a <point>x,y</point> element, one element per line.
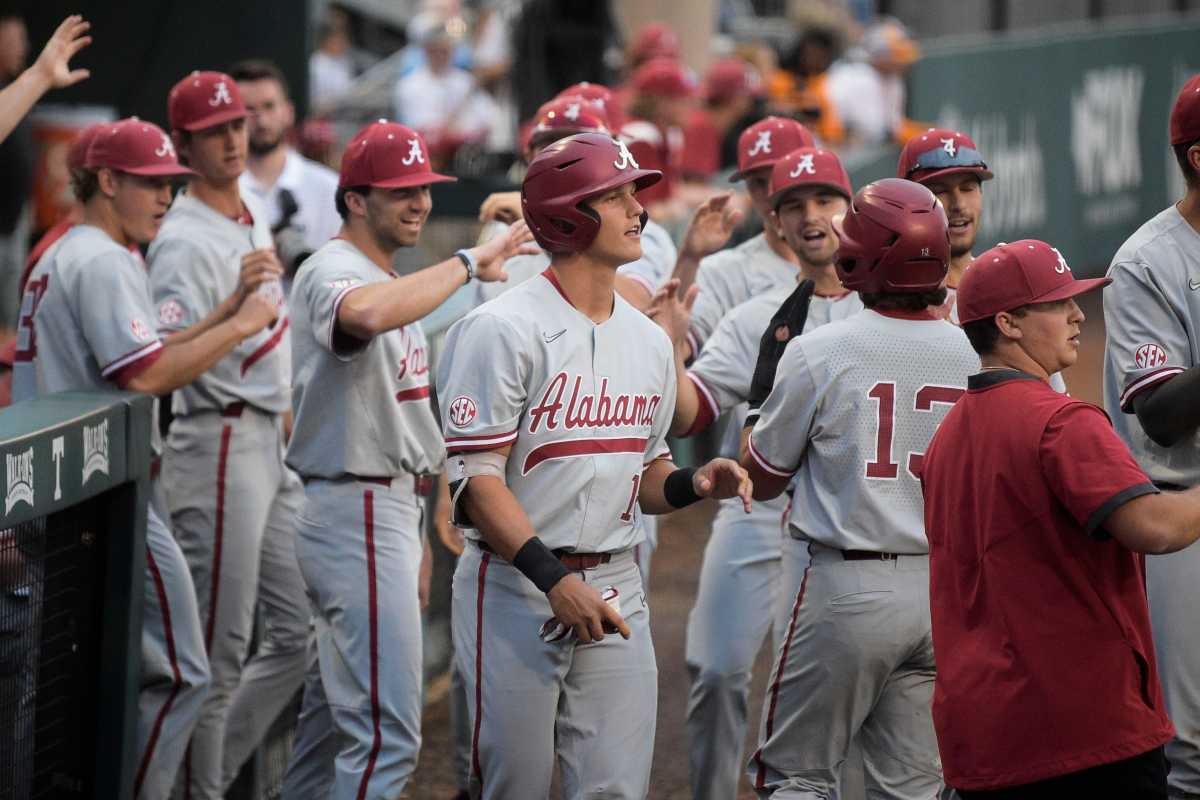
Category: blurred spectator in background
<point>333,66</point>
<point>733,93</point>
<point>869,94</point>
<point>558,43</point>
<point>297,193</point>
<point>800,87</point>
<point>653,40</point>
<point>493,64</point>
<point>442,101</point>
<point>16,167</point>
<point>663,95</point>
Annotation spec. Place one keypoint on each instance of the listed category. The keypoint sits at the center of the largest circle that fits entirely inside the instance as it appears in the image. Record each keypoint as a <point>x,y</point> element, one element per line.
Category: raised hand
<point>491,255</point>
<point>722,478</point>
<point>672,313</point>
<point>711,226</point>
<point>501,206</point>
<point>53,65</point>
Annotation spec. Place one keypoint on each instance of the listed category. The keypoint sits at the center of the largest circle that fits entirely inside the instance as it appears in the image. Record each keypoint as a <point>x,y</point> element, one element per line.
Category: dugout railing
<point>72,559</point>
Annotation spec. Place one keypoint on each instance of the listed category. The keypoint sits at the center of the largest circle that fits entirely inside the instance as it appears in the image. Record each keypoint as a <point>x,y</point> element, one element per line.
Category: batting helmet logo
<point>462,411</point>
<point>1150,355</point>
<point>625,158</point>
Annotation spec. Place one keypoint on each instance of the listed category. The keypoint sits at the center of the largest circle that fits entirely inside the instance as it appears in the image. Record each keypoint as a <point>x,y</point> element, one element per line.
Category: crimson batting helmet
<point>894,238</point>
<point>567,174</point>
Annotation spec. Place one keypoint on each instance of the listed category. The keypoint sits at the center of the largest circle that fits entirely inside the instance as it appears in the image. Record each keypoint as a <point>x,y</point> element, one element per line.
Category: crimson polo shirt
<point>1041,632</point>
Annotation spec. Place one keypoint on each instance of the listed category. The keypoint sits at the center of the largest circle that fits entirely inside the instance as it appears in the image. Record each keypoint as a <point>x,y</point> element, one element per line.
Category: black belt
<point>868,555</point>
<point>422,484</point>
<point>571,560</point>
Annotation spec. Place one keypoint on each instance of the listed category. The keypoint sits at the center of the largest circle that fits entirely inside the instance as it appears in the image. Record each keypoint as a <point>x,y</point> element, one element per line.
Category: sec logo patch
<point>1150,355</point>
<point>141,331</point>
<point>462,411</point>
<point>170,313</point>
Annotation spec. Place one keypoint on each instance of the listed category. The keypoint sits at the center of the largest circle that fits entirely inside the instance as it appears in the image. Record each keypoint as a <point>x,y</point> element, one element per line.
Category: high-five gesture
<point>491,255</point>
<point>711,226</point>
<point>53,65</point>
<point>52,70</point>
<point>723,478</point>
<point>672,312</point>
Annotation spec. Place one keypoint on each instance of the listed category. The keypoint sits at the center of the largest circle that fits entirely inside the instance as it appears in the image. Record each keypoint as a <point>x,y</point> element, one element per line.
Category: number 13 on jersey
<point>884,465</point>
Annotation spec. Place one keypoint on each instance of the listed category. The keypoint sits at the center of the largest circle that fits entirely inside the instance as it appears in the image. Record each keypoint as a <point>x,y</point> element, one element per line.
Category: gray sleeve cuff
<point>1094,528</point>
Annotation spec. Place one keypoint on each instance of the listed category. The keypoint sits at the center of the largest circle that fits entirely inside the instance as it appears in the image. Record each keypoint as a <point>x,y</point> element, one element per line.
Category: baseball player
<point>86,323</point>
<point>557,400</point>
<point>760,264</point>
<point>637,281</point>
<point>296,192</point>
<point>367,444</point>
<point>853,405</point>
<point>1152,330</point>
<point>948,163</point>
<point>231,499</point>
<point>741,591</point>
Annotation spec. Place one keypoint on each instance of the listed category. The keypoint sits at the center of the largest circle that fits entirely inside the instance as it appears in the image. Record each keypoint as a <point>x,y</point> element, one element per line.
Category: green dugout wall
<point>1073,122</point>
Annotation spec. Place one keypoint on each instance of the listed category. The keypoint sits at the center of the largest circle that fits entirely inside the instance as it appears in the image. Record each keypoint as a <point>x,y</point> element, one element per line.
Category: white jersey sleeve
<point>482,380</point>
<point>323,299</point>
<point>656,444</point>
<point>784,427</point>
<point>123,331</point>
<point>725,366</point>
<point>1147,342</point>
<point>181,293</point>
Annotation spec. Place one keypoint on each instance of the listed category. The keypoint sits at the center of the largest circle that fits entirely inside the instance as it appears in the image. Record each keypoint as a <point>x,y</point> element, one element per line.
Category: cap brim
<point>923,176</point>
<point>1072,289</point>
<point>212,120</point>
<point>406,181</point>
<point>160,170</point>
<point>777,198</point>
<point>742,174</point>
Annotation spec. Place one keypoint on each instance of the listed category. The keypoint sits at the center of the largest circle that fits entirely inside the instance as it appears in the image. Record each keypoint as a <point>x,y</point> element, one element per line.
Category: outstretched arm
<point>52,70</point>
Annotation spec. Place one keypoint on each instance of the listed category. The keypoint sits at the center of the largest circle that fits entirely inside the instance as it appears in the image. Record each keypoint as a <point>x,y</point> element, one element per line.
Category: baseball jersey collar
<point>994,377</point>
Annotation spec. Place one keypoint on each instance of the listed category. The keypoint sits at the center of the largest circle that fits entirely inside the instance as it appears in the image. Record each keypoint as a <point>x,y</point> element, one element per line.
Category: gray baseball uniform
<point>854,405</point>
<point>365,440</point>
<point>232,501</point>
<point>1152,329</point>
<point>741,595</point>
<point>731,277</point>
<point>650,271</point>
<point>583,418</point>
<point>69,341</point>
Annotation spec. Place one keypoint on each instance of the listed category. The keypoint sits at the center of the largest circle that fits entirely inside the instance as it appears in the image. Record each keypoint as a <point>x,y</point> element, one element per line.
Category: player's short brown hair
<point>1181,157</point>
<point>84,184</point>
<point>260,69</point>
<point>339,199</point>
<point>983,333</point>
<point>895,301</point>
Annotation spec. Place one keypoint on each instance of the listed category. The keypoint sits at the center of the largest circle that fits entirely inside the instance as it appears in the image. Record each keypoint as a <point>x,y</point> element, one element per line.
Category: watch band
<point>468,262</point>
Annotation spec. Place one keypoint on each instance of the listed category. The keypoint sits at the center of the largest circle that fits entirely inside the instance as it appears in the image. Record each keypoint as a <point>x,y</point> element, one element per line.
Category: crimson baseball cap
<point>664,77</point>
<point>134,146</point>
<point>77,152</point>
<point>808,166</point>
<point>565,116</point>
<point>1015,274</point>
<point>1185,115</point>
<point>940,151</point>
<point>767,141</point>
<point>732,77</point>
<point>597,93</point>
<point>388,155</point>
<point>202,100</point>
<point>654,40</point>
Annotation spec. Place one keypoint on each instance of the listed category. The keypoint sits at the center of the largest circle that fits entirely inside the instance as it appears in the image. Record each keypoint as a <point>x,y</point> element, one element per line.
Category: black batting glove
<point>787,323</point>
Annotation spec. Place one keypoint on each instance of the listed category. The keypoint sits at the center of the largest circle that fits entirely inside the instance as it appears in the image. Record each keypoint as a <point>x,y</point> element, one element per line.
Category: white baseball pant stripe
<point>359,546</point>
<point>238,536</point>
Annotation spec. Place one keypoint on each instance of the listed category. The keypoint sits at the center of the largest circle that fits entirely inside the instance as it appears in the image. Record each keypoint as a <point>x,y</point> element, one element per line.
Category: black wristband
<point>539,564</point>
<point>678,489</point>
